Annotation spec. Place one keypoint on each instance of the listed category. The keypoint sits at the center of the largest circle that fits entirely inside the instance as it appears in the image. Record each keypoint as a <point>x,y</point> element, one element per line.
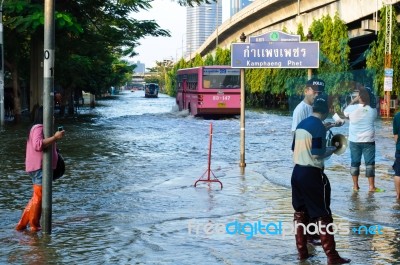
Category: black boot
<point>328,241</point>
<point>301,222</point>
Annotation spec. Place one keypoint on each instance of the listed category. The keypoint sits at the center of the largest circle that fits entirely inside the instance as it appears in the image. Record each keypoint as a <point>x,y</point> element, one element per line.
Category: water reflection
<point>37,249</point>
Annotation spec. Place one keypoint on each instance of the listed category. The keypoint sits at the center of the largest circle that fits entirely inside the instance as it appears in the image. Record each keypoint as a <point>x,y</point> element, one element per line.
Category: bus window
<point>221,81</point>
<point>192,79</point>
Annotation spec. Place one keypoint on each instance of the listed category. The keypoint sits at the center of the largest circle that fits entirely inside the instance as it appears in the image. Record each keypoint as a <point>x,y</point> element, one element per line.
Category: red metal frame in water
<point>209,171</point>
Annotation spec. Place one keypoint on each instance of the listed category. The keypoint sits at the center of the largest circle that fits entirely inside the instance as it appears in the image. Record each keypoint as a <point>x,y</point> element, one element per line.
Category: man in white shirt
<point>314,88</point>
<point>362,138</point>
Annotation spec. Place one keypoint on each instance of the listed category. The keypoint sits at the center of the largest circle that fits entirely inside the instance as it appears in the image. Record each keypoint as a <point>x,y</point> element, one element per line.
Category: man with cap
<point>314,89</point>
<point>311,191</point>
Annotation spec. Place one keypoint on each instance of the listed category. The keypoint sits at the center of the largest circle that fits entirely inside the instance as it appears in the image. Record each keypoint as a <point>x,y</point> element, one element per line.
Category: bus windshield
<point>221,78</point>
<point>152,86</point>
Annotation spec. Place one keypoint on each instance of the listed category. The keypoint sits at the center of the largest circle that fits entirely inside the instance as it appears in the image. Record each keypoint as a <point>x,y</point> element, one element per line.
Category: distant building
<point>140,68</point>
<point>237,5</point>
<point>201,22</point>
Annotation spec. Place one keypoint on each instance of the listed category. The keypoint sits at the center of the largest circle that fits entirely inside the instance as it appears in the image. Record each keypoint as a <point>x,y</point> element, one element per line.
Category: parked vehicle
<point>151,90</point>
<point>209,90</point>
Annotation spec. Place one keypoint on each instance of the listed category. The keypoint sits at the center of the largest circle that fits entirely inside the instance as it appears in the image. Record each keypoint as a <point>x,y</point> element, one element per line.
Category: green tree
<point>209,59</point>
<point>170,86</point>
<point>375,56</point>
<point>198,61</point>
<point>170,83</point>
<point>334,54</point>
<point>222,56</point>
<point>22,26</point>
<point>255,86</point>
<point>160,72</point>
<point>91,37</point>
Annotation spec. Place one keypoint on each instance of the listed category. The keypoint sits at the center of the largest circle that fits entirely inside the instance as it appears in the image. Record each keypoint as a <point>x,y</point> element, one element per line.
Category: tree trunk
<point>92,101</point>
<point>17,95</point>
<point>36,76</point>
<point>69,92</point>
<point>71,106</point>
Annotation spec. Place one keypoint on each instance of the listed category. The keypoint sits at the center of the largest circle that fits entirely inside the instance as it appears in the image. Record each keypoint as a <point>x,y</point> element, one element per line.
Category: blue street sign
<point>275,54</point>
<point>389,72</point>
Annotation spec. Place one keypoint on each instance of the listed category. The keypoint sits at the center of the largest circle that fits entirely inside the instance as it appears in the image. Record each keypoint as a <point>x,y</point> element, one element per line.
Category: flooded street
<point>128,195</point>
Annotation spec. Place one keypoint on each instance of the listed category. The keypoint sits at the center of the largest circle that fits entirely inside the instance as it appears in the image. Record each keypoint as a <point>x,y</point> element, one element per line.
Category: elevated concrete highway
<point>267,15</point>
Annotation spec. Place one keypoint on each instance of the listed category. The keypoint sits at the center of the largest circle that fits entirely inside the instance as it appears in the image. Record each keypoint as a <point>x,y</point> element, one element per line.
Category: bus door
<point>184,90</point>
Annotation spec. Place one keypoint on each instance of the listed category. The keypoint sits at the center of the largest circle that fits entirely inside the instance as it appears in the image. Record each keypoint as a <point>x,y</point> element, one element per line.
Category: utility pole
<point>48,112</point>
<point>182,45</point>
<point>2,110</point>
<point>217,25</point>
<point>388,57</point>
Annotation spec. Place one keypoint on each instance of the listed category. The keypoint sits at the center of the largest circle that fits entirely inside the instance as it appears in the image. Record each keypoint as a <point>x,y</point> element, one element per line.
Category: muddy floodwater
<point>128,194</point>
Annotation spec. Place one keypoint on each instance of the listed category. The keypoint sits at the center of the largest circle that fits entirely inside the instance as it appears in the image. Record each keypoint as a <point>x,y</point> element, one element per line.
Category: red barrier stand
<point>209,171</point>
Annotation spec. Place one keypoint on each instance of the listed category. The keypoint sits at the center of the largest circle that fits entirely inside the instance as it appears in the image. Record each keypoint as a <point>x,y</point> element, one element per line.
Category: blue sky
<point>170,16</point>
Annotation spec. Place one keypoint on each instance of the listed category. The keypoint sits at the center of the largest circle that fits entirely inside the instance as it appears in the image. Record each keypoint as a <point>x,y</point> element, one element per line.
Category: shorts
<point>396,165</point>
<point>36,177</point>
<point>367,150</point>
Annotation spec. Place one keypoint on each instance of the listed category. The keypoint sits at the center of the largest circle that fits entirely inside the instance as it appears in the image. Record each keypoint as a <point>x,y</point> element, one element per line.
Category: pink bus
<point>209,90</point>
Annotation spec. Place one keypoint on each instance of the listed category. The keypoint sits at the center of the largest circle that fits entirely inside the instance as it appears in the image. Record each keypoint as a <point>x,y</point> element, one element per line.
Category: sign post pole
<point>309,71</point>
<point>242,163</point>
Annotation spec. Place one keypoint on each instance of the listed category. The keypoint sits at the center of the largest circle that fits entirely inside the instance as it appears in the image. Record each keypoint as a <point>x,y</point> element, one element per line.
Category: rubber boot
<point>23,222</point>
<point>313,238</point>
<point>301,222</point>
<point>36,209</point>
<point>328,242</point>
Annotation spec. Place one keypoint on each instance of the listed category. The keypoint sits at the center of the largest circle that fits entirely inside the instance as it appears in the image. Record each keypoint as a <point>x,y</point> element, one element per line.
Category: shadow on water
<point>128,194</point>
